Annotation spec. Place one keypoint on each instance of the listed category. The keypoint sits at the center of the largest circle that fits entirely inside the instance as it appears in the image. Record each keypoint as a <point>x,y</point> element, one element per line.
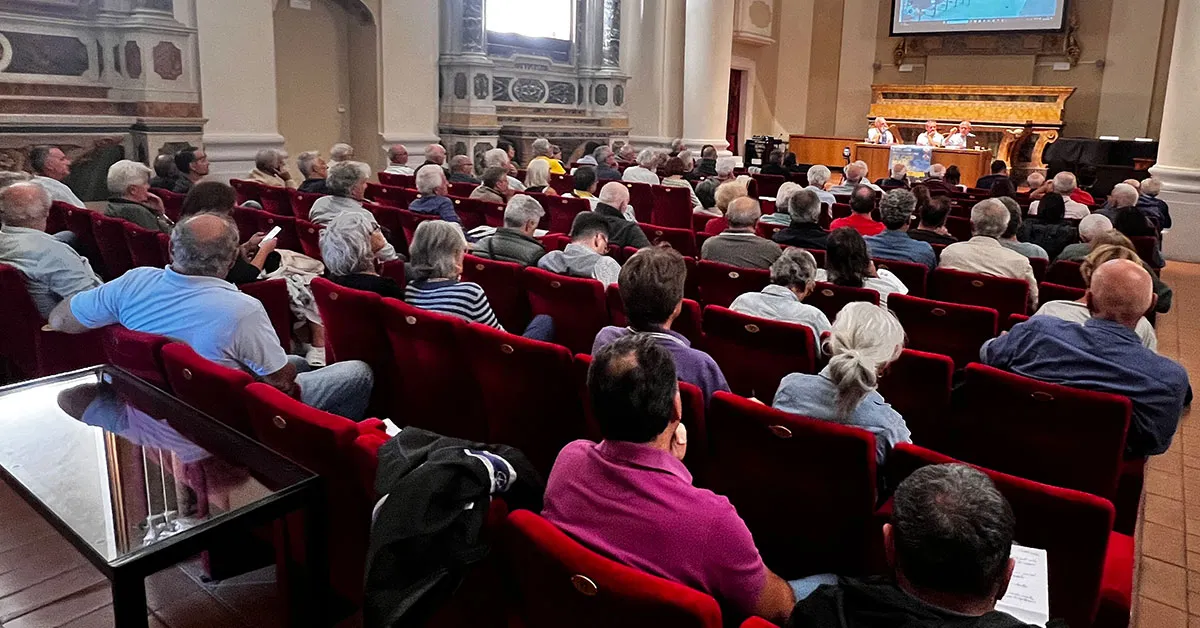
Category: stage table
<point>972,163</point>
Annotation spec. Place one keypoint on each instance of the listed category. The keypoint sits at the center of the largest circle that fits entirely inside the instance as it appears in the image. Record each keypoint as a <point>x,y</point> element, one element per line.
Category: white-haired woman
<point>781,216</point>
<point>537,178</point>
<point>438,248</point>
<point>131,200</point>
<point>864,340</point>
<point>644,171</point>
<point>346,184</point>
<point>349,245</point>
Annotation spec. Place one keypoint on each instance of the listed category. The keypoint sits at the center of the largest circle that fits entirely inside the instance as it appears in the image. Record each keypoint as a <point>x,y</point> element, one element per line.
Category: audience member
<point>773,164</point>
<point>53,270</point>
<point>432,184</point>
<point>865,338</point>
<point>1104,354</point>
<point>1035,181</point>
<point>587,155</point>
<point>314,170</point>
<point>541,152</point>
<point>1077,311</point>
<point>584,185</point>
<point>856,175</point>
<point>707,166</point>
<point>895,211</point>
<point>131,200</point>
<point>789,164</point>
<point>726,193</point>
<point>632,499</point>
<point>556,156</point>
<point>862,203</point>
<point>192,164</point>
<point>897,179</point>
<point>435,154</point>
<point>462,170</point>
<point>1003,187</point>
<point>190,302</point>
<point>818,178</point>
<point>537,178</point>
<point>651,287</point>
<point>932,225</point>
<point>165,172</point>
<point>349,245</point>
<point>438,248</point>
<point>848,264</point>
<point>643,172</point>
<point>1123,195</point>
<point>494,186</point>
<point>1044,235</point>
<point>948,545</point>
<point>50,166</point>
<point>984,254</point>
<point>999,173</point>
<point>706,190</point>
<point>606,164</point>
<point>1090,227</point>
<point>738,245</point>
<point>793,277</point>
<point>673,177</point>
<point>613,206</point>
<point>340,152</point>
<point>498,157</point>
<point>398,160</point>
<point>1155,208</point>
<point>954,179</point>
<point>1064,184</point>
<point>782,199</point>
<point>936,181</point>
<point>514,242</point>
<point>587,254</point>
<point>688,159</point>
<point>255,255</point>
<point>804,208</point>
<point>270,168</point>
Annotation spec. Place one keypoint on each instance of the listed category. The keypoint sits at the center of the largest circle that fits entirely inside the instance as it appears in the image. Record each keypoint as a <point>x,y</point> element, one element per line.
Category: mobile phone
<point>272,233</point>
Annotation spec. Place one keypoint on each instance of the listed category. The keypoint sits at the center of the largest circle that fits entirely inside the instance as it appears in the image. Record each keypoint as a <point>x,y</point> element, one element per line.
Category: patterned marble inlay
<point>610,48</point>
<point>600,95</point>
<point>460,86</point>
<point>529,90</point>
<point>168,61</point>
<point>133,59</point>
<point>472,25</point>
<point>561,93</point>
<point>481,86</point>
<point>32,53</point>
<point>619,95</point>
<point>500,88</point>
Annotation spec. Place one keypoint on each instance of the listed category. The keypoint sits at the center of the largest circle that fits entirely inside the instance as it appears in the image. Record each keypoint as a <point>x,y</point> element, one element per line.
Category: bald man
<point>190,302</point>
<point>614,206</point>
<point>1104,354</point>
<point>739,245</point>
<point>398,160</point>
<point>435,154</point>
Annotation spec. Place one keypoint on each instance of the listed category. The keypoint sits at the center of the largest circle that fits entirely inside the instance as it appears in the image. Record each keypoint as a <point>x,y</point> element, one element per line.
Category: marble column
<point>707,54</point>
<point>1178,151</point>
<point>408,76</point>
<point>237,83</point>
<point>652,56</point>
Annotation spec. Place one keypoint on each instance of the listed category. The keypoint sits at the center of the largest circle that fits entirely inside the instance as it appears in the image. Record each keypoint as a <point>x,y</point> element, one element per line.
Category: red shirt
<point>862,223</point>
<point>1080,196</point>
<point>716,225</point>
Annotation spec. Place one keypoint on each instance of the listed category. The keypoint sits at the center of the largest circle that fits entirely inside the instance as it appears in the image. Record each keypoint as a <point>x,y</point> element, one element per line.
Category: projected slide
<point>959,16</point>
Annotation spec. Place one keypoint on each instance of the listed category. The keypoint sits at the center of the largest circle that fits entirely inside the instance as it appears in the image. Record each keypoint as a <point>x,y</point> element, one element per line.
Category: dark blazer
<point>806,235</point>
<point>986,182</point>
<point>313,186</point>
<point>604,173</point>
<point>621,232</point>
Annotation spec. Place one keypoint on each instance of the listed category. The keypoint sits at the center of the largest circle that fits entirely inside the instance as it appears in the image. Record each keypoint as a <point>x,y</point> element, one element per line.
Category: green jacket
<point>138,214</point>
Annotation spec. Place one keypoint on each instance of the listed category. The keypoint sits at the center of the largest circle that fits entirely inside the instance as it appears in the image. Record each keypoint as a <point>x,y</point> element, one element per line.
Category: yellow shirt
<point>555,166</point>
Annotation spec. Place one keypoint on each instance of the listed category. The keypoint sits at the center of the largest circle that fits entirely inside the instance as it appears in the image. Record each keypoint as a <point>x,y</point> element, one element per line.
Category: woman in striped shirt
<point>437,251</point>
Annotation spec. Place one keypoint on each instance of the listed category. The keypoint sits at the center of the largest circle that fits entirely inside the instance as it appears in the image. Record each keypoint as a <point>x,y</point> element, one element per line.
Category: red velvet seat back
<point>1003,294</point>
<point>1065,273</point>
<point>672,207</point>
<point>913,276</point>
<point>577,306</point>
<point>273,293</point>
<point>302,203</point>
<point>720,284</point>
<point>755,353</point>
<point>818,521</point>
<point>172,202</point>
<point>462,189</point>
<point>410,220</point>
<point>563,210</point>
<point>18,343</point>
<point>562,583</point>
<point>145,246</point>
<point>246,190</point>
<point>56,220</point>
<point>354,330</point>
<point>688,323</point>
<point>959,227</point>
<point>1048,292</point>
<point>528,392</point>
<point>1073,527</point>
<point>398,180</point>
<point>950,329</point>
<point>1045,432</point>
<point>251,221</point>
<point>562,183</point>
<point>918,385</point>
<point>1040,266</point>
<point>768,184</point>
<point>430,383</point>
<point>1146,247</point>
<point>767,229</point>
<point>79,222</point>
<point>137,352</point>
<point>641,196</point>
<point>502,283</point>
<point>470,212</point>
<point>310,238</point>
<point>681,239</point>
<point>830,298</point>
<point>276,200</point>
<point>110,239</point>
<point>391,221</point>
<point>207,386</point>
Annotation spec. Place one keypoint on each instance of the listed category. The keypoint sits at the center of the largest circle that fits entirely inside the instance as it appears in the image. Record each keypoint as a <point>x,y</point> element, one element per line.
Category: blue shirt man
<point>895,245</point>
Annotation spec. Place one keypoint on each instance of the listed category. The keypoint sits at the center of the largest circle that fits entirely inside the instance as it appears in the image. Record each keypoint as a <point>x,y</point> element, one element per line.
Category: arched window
<point>550,19</point>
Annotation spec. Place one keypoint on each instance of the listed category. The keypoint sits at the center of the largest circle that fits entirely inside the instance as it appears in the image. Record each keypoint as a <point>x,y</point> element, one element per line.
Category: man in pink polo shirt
<point>631,498</point>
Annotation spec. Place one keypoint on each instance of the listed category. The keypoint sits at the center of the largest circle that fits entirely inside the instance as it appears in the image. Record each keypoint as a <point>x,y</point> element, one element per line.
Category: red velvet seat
<point>79,222</point>
<point>562,183</point>
<point>562,212</point>
<point>641,196</point>
<point>1044,432</point>
<point>950,329</point>
<point>1146,247</point>
<point>688,323</point>
<point>137,352</point>
<point>172,202</point>
<point>959,227</point>
<point>398,180</point>
<point>757,622</point>
<point>276,200</point>
<point>755,353</point>
<point>429,385</point>
<point>110,239</point>
<point>211,388</point>
<point>768,184</point>
<point>1048,292</point>
<point>273,293</point>
<point>1065,273</point>
<point>251,221</point>
<point>353,322</point>
<point>1040,265</point>
<point>672,207</point>
<point>246,190</point>
<point>830,298</point>
<point>682,240</point>
<point>528,388</point>
<point>918,386</point>
<point>766,229</point>
<point>502,283</point>
<point>56,220</point>
<point>559,582</point>
<point>310,238</point>
<point>578,306</point>
<point>26,347</point>
<point>470,212</point>
<point>410,220</point>
<point>1087,561</point>
<point>1003,294</point>
<point>462,189</point>
<point>720,284</point>
<point>913,276</point>
<point>822,521</point>
<point>146,248</point>
<point>302,203</point>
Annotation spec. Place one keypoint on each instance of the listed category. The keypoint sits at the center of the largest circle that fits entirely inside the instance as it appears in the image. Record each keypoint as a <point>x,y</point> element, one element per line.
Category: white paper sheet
<point>1028,596</point>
